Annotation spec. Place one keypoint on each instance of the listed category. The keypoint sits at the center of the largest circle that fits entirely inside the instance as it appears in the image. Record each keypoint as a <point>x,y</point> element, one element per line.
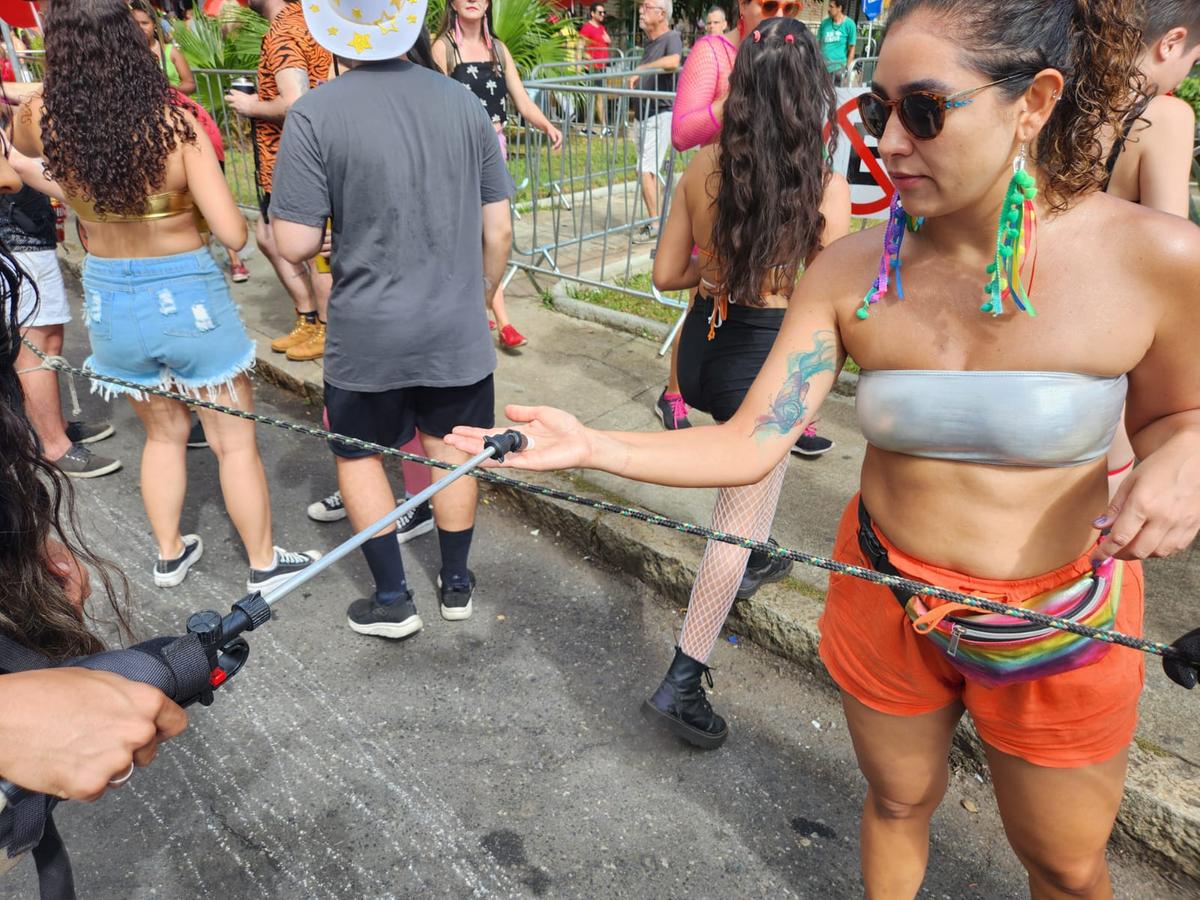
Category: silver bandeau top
<point>1038,419</point>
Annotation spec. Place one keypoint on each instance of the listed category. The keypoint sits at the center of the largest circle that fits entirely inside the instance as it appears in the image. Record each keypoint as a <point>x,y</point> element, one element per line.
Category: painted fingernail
<point>1100,522</point>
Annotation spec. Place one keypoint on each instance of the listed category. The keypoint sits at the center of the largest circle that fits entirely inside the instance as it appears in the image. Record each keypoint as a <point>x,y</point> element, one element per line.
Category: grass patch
<point>582,163</point>
<point>627,303</point>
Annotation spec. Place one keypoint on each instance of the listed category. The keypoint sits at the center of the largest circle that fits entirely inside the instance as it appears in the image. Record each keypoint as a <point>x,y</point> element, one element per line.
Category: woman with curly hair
<point>759,205</point>
<point>137,169</point>
<point>67,732</point>
<point>991,120</point>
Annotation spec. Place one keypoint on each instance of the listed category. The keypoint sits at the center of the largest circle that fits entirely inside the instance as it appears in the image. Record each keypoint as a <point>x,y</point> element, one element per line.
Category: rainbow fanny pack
<point>995,649</point>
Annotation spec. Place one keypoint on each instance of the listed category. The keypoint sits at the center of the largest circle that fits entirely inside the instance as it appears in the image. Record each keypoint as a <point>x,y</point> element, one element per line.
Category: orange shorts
<point>1073,719</point>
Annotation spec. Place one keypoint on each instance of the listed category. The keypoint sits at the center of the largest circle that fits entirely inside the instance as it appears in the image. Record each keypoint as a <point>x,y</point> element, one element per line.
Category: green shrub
<point>1190,91</point>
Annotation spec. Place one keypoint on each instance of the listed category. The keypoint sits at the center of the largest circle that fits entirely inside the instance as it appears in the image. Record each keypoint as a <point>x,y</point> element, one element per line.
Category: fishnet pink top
<point>704,79</point>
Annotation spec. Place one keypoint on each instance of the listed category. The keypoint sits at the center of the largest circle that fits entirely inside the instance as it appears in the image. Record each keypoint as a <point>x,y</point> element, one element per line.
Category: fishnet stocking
<point>747,511</point>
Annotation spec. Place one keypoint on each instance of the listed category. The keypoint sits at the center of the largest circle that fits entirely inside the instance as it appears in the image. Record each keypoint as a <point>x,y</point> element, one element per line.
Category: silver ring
<point>117,782</point>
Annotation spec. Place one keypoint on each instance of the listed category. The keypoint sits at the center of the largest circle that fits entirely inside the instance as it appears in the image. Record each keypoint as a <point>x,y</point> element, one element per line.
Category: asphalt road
<point>502,756</point>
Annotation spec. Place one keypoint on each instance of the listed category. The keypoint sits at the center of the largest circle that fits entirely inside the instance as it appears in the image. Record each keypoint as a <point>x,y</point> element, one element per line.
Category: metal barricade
<point>579,213</point>
<point>31,65</point>
<point>237,132</point>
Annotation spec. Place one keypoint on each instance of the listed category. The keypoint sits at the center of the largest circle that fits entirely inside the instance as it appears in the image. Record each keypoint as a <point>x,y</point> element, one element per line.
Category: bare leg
<point>1058,822</point>
<point>650,194</point>
<point>322,285</point>
<point>453,507</point>
<point>745,510</point>
<point>243,479</point>
<point>164,468</point>
<point>417,477</point>
<point>295,279</point>
<point>234,259</point>
<point>42,401</point>
<point>365,491</point>
<point>904,759</point>
<point>499,310</point>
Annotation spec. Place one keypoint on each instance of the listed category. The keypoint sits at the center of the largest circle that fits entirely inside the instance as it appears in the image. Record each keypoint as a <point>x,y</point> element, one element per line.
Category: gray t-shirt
<point>402,160</point>
<point>658,79</point>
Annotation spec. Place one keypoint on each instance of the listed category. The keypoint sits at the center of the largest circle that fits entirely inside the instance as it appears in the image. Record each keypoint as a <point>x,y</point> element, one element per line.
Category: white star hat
<point>367,30</point>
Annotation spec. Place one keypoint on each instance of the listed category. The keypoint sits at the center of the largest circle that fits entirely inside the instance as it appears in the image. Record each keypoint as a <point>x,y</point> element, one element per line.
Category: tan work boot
<point>313,348</point>
<point>301,332</point>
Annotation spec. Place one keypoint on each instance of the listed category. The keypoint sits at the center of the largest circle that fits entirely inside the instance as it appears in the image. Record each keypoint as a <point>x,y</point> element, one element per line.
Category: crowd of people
<point>1036,154</point>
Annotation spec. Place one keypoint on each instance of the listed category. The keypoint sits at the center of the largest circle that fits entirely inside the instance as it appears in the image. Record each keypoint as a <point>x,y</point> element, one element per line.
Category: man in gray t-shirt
<point>407,166</point>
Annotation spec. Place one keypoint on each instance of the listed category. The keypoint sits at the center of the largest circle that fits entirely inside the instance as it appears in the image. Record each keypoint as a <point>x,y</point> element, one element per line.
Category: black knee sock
<point>455,547</point>
<point>387,568</point>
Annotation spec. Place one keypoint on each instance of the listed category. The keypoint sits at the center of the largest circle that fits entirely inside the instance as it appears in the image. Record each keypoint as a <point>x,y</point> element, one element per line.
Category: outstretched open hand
<point>557,440</point>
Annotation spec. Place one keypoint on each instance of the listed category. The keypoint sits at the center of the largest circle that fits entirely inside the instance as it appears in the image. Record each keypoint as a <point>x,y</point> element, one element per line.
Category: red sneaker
<point>240,274</point>
<point>511,338</point>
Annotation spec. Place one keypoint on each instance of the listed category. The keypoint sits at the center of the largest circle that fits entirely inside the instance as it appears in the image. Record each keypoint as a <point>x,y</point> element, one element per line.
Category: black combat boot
<point>680,705</point>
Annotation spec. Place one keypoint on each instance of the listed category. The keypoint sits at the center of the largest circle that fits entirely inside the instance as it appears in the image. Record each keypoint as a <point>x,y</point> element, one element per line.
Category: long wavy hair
<point>774,160</point>
<point>447,28</point>
<point>37,502</point>
<point>1095,44</point>
<point>109,125</point>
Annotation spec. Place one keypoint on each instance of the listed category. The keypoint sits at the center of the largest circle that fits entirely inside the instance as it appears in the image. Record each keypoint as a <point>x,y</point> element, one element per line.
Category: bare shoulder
<point>1157,248</point>
<point>842,272</point>
<point>1165,111</point>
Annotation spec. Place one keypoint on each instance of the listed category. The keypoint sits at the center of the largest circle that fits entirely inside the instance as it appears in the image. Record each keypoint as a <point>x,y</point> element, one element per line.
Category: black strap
<point>1114,154</point>
<point>56,881</point>
<point>875,553</point>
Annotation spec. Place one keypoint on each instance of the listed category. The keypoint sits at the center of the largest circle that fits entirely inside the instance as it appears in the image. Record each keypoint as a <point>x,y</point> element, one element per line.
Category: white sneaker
<point>171,572</point>
<point>285,566</point>
<point>328,509</point>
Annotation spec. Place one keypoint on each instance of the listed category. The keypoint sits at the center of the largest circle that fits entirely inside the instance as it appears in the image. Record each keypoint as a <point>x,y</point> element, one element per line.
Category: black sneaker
<point>762,568</point>
<point>673,411</point>
<point>390,620</point>
<point>414,523</point>
<point>456,598</point>
<point>811,444</point>
<point>286,565</point>
<point>171,572</point>
<point>88,433</point>
<point>196,437</point>
<point>328,509</point>
<point>80,462</point>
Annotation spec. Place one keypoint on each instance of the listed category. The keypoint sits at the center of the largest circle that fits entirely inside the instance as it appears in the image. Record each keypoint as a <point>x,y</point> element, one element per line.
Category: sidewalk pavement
<point>611,379</point>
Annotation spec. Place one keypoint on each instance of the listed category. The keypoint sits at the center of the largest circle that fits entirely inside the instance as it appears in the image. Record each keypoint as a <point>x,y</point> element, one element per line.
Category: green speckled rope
<point>820,562</point>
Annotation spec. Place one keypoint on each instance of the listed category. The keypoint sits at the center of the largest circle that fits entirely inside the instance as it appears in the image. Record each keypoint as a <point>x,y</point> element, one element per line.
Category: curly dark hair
<point>774,160</point>
<point>37,502</point>
<point>109,123</point>
<point>1095,44</point>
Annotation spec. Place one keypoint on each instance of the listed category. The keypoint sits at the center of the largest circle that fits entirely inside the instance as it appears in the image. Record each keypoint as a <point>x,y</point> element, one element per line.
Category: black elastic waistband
<point>875,553</point>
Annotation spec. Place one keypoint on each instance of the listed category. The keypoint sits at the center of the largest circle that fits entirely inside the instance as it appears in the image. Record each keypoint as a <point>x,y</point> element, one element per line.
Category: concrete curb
<point>1159,819</point>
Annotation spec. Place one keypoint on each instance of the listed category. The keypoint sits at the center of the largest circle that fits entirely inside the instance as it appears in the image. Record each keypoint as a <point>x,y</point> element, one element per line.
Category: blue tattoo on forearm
<point>787,407</point>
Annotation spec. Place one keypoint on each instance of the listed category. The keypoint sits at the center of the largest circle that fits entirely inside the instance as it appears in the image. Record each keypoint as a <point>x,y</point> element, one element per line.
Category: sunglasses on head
<point>786,8</point>
<point>922,113</point>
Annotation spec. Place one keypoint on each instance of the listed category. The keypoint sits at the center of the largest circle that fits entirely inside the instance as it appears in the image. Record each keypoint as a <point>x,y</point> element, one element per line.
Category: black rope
<point>808,559</point>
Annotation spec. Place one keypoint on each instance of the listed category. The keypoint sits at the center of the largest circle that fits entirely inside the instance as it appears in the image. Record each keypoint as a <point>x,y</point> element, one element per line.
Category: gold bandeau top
<point>158,206</point>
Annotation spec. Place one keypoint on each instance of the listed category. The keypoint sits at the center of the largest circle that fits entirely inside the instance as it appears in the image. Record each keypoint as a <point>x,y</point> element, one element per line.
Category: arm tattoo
<point>787,407</point>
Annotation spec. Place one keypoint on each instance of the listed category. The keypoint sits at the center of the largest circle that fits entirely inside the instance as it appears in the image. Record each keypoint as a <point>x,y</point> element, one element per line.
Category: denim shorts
<point>163,321</point>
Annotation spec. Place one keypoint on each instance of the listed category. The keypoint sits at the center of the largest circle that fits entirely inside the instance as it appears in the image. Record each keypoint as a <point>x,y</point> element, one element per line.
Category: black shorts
<point>391,418</point>
<point>715,375</point>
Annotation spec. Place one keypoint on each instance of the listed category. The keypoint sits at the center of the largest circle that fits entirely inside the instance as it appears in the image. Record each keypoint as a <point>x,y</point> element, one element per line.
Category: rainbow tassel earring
<point>898,223</point>
<point>1016,236</point>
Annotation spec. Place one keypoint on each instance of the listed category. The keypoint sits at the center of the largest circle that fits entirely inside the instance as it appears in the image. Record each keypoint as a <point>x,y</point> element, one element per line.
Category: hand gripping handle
<point>511,441</point>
